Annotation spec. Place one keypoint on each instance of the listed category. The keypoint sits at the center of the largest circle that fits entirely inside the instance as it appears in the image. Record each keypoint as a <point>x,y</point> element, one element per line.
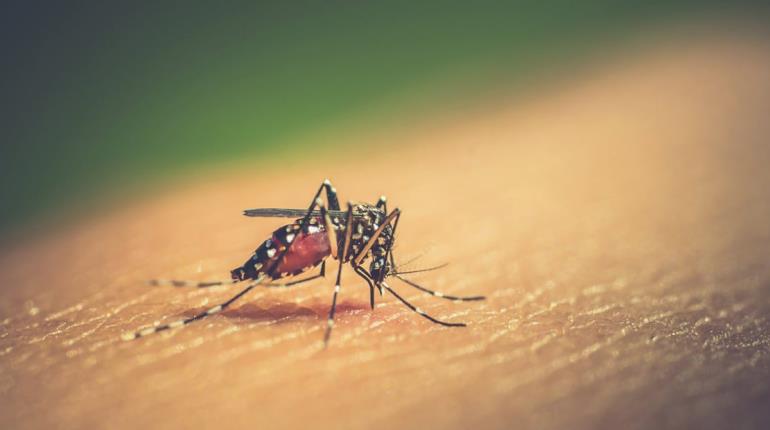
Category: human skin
<point>617,225</point>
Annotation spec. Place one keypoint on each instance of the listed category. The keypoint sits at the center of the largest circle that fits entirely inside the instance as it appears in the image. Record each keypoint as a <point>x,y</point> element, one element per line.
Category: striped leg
<point>390,251</point>
<point>364,274</point>
<point>365,250</point>
<point>343,252</point>
<point>440,294</point>
<point>183,322</point>
<point>221,307</point>
<point>392,261</point>
<point>395,215</point>
<point>206,284</point>
<point>420,311</point>
<point>299,281</point>
<point>331,195</point>
<point>331,229</point>
<point>195,284</point>
<point>383,203</point>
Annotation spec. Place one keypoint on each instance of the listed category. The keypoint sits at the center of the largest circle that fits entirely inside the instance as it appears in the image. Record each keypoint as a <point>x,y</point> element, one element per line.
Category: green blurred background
<point>103,97</point>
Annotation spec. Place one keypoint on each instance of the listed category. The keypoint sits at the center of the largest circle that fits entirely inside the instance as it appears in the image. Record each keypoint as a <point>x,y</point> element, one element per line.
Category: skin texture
<point>617,224</point>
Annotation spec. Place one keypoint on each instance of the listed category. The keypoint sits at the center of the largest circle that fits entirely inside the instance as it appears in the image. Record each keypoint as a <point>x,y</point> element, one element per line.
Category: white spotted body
<point>308,249</point>
<point>362,232</point>
<point>367,219</point>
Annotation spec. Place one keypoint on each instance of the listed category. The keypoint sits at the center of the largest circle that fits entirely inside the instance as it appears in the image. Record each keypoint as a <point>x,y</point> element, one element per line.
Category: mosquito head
<point>395,271</point>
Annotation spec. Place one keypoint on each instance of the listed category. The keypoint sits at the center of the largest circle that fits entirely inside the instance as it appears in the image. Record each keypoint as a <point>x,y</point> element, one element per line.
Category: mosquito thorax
<point>366,220</point>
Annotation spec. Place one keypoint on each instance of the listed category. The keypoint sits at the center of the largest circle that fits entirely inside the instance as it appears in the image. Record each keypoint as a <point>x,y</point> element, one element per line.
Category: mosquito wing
<point>287,213</point>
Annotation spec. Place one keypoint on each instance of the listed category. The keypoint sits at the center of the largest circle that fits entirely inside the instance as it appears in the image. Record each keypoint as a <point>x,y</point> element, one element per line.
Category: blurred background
<point>102,100</point>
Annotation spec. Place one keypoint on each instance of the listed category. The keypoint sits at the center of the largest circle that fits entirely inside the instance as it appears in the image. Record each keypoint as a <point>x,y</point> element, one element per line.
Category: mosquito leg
<point>331,227</point>
<point>206,284</point>
<point>196,284</point>
<point>293,283</point>
<point>224,305</point>
<point>393,265</point>
<point>269,272</point>
<point>420,311</point>
<point>362,254</point>
<point>439,294</point>
<point>382,203</point>
<point>300,281</point>
<point>390,248</point>
<point>364,274</point>
<point>331,195</point>
<point>331,230</point>
<point>180,323</point>
<point>368,245</point>
<point>305,224</point>
<point>342,254</point>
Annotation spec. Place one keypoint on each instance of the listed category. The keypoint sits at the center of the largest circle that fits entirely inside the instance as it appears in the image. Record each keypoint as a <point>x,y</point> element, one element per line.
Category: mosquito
<point>361,232</point>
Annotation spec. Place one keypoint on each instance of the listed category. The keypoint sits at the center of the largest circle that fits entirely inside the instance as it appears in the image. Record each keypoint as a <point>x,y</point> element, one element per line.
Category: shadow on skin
<point>282,312</point>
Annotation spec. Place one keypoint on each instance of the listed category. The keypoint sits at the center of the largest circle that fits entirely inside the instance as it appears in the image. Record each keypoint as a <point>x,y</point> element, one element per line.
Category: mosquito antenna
<point>439,294</point>
<point>413,259</point>
<point>429,269</point>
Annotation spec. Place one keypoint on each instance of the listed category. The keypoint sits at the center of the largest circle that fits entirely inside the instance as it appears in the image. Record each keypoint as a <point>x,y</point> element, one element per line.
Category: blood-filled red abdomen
<point>307,251</point>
